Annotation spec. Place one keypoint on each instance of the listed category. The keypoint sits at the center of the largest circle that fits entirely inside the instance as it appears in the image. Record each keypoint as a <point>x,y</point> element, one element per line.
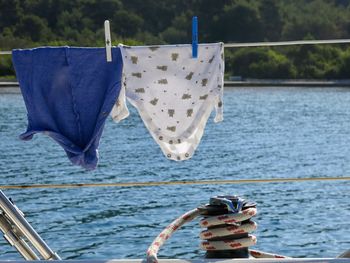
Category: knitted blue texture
<point>69,93</point>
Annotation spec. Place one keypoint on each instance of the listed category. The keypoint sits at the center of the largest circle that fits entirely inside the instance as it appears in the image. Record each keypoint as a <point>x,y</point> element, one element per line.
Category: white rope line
<point>227,219</point>
<point>263,254</point>
<point>153,249</point>
<point>288,43</point>
<point>203,182</point>
<point>229,244</point>
<point>230,224</point>
<point>228,230</point>
<point>226,225</point>
<point>232,221</point>
<point>267,44</point>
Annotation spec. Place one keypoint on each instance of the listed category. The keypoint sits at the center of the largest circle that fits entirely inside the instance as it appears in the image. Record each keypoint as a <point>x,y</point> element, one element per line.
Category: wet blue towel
<point>69,93</point>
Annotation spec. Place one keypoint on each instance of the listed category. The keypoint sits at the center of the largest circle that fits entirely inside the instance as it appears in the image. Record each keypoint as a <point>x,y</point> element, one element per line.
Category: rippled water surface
<point>267,133</point>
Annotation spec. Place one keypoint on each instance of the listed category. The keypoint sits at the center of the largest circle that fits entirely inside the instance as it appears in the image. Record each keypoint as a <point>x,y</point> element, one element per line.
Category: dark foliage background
<point>30,23</point>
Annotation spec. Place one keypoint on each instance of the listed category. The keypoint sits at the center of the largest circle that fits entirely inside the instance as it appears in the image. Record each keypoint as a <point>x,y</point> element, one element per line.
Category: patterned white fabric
<point>173,93</point>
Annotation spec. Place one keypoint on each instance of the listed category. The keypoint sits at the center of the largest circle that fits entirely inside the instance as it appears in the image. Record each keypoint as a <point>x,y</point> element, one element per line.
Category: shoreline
<point>288,83</point>
<point>13,86</point>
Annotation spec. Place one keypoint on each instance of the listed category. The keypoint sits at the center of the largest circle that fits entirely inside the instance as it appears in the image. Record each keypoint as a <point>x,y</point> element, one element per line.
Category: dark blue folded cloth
<point>68,93</point>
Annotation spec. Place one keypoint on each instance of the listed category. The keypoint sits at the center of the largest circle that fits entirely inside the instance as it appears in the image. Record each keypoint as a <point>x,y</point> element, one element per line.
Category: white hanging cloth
<point>173,92</point>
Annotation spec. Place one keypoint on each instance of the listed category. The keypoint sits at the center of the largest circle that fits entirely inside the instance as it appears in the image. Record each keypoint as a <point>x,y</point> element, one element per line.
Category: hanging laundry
<point>68,93</point>
<point>173,93</point>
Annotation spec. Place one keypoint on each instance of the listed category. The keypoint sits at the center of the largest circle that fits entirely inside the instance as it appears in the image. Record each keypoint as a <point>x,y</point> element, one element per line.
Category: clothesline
<point>287,43</point>
<point>266,44</point>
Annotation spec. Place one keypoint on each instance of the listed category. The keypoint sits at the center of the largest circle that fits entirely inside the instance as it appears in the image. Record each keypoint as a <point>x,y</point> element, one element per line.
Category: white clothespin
<point>108,41</point>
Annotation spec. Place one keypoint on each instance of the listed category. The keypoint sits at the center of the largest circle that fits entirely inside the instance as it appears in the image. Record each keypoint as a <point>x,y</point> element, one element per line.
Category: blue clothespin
<point>194,37</point>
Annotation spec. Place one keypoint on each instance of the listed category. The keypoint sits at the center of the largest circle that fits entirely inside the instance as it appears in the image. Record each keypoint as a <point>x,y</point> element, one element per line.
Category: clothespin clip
<point>194,37</point>
<point>108,41</point>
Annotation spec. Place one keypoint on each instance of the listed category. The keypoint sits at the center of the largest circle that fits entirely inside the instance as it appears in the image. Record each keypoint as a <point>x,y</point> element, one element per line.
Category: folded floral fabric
<point>173,92</point>
<point>68,93</point>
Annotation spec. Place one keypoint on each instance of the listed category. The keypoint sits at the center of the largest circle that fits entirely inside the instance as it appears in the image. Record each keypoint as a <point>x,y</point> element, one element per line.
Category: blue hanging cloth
<point>69,93</point>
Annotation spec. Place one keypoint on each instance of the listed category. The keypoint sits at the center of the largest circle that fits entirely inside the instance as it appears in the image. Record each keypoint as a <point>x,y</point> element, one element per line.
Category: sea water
<point>266,133</point>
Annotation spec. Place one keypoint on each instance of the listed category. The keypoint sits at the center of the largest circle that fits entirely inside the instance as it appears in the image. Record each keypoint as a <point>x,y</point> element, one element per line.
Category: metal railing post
<point>17,222</point>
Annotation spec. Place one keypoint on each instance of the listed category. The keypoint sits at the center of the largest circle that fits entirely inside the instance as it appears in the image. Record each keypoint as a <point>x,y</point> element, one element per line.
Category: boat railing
<point>20,234</point>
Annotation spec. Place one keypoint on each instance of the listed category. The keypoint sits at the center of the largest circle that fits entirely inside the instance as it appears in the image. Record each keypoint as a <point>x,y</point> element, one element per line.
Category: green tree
<point>180,30</point>
<point>238,22</point>
<point>33,28</point>
<point>316,61</point>
<point>6,68</point>
<point>99,11</point>
<point>9,13</point>
<point>261,63</point>
<point>126,24</point>
<point>157,15</point>
<point>272,22</point>
<point>60,22</point>
<point>319,19</point>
